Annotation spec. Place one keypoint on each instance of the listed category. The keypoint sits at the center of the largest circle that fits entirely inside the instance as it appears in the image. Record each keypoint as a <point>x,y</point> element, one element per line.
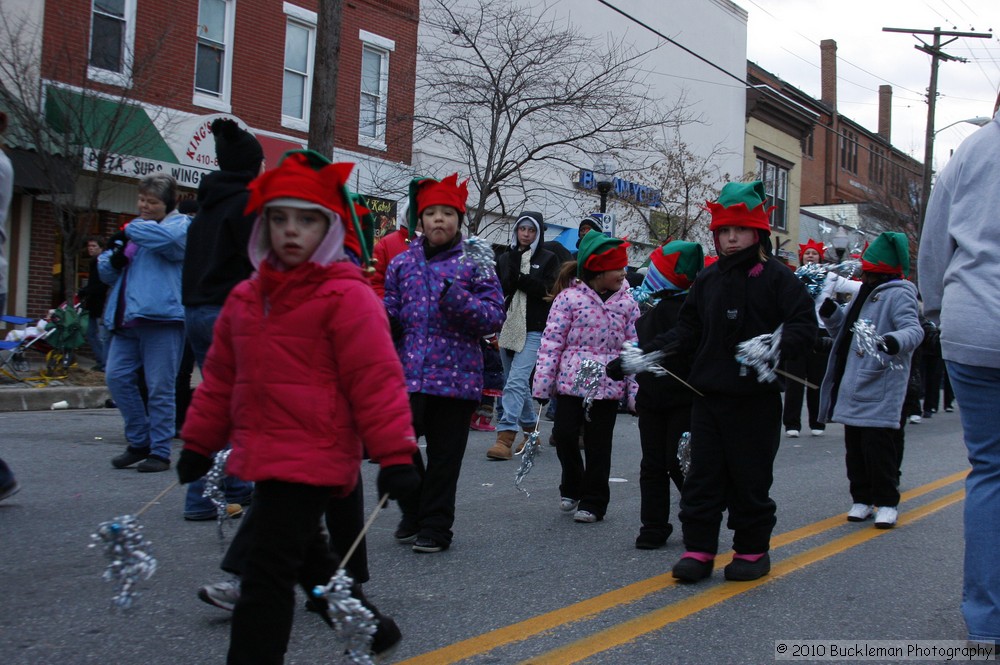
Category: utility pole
<point>934,50</point>
<point>323,104</point>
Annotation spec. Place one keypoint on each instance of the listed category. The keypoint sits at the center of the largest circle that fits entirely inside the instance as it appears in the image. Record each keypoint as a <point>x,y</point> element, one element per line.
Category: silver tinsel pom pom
<point>353,623</point>
<point>130,561</point>
<point>870,342</point>
<point>642,295</point>
<point>813,275</point>
<point>634,361</point>
<point>531,447</point>
<point>480,252</point>
<point>851,269</point>
<point>684,452</point>
<point>587,380</point>
<point>762,354</point>
<point>213,488</point>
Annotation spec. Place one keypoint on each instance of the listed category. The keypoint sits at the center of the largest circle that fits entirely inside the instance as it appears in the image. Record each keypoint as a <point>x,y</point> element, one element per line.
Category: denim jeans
<point>198,325</point>
<point>97,338</point>
<point>6,475</point>
<point>157,349</point>
<point>977,390</point>
<point>518,409</point>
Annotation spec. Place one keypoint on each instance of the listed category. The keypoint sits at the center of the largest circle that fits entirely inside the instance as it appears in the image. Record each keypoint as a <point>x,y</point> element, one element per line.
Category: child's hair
<point>566,277</point>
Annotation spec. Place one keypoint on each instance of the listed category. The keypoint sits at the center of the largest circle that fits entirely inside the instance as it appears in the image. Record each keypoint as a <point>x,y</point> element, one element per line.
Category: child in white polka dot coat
<point>592,317</point>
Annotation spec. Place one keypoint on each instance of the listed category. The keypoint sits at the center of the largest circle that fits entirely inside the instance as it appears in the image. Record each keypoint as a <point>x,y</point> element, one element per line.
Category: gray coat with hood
<point>871,393</point>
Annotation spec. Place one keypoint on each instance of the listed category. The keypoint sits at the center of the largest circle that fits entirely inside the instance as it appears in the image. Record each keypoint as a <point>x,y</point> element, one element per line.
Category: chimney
<point>828,72</point>
<point>885,112</point>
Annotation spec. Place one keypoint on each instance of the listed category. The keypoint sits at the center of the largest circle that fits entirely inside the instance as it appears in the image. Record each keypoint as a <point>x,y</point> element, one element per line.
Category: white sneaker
<point>885,517</point>
<point>221,594</point>
<point>915,419</point>
<point>568,505</point>
<point>584,516</point>
<point>792,433</point>
<point>859,512</point>
<point>818,432</point>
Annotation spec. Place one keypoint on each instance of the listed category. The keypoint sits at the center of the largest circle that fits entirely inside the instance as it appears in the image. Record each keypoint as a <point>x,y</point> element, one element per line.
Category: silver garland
<point>634,361</point>
<point>851,269</point>
<point>214,491</point>
<point>479,252</point>
<point>586,381</point>
<point>531,447</point>
<point>870,342</point>
<point>762,354</point>
<point>684,453</point>
<point>130,560</point>
<point>353,623</point>
<point>813,276</point>
<point>643,295</point>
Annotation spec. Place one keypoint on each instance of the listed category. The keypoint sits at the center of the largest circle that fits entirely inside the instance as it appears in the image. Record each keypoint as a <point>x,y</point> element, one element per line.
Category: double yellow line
<point>630,630</point>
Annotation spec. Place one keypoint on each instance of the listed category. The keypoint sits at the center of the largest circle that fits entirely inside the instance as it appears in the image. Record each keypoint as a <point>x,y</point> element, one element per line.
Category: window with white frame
<point>112,38</point>
<point>300,47</point>
<point>374,89</point>
<point>213,57</point>
<point>775,179</point>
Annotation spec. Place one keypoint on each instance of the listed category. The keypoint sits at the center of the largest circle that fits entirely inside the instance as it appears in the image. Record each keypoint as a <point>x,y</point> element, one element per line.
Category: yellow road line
<point>589,607</point>
<point>635,628</point>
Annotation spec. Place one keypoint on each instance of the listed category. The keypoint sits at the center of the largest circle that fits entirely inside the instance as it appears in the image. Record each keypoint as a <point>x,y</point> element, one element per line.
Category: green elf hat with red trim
<point>309,176</point>
<point>674,265</point>
<point>599,252</point>
<point>889,254</point>
<point>364,221</point>
<point>741,204</point>
<point>427,192</point>
<point>811,244</point>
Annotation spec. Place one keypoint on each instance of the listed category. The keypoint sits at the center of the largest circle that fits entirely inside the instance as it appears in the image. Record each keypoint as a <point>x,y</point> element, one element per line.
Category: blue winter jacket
<point>443,306</point>
<point>153,280</point>
<point>872,389</point>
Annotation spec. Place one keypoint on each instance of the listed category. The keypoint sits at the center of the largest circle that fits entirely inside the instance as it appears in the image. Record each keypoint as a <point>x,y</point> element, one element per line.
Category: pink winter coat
<point>301,372</point>
<point>581,326</point>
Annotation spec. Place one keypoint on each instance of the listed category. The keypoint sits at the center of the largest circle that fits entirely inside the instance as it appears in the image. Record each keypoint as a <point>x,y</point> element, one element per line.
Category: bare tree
<point>79,134</point>
<point>685,180</point>
<point>507,88</point>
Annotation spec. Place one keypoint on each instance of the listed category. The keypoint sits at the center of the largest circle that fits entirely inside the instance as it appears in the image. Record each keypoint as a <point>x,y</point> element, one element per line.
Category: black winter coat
<point>536,284</point>
<point>216,256</point>
<point>657,393</point>
<point>726,306</point>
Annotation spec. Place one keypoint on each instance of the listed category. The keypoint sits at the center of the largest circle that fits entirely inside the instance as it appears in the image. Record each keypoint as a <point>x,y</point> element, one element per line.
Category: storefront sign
<point>623,189</point>
<point>384,212</point>
<point>139,167</point>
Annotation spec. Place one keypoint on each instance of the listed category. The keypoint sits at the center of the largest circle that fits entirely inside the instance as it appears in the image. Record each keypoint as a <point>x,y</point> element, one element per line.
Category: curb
<point>44,399</point>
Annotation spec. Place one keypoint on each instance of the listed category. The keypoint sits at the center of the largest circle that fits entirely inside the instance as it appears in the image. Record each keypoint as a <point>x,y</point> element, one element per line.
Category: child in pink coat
<point>592,317</point>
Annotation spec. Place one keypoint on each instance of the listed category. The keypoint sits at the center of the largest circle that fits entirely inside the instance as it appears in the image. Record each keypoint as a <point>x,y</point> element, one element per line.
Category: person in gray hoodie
<point>959,278</point>
<point>863,389</point>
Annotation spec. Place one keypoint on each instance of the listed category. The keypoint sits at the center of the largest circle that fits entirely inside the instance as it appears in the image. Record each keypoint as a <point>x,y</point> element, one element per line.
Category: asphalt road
<point>521,583</point>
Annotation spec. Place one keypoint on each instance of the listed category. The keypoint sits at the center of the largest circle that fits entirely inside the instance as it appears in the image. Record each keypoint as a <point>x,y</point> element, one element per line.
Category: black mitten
<point>827,308</point>
<point>399,481</point>
<point>191,466</point>
<point>542,401</point>
<point>890,346</point>
<point>614,370</point>
<point>118,260</point>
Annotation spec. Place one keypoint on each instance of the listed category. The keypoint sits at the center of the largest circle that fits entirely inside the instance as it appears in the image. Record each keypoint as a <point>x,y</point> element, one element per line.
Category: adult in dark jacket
<point>93,294</point>
<point>215,261</point>
<point>527,273</point>
<point>663,403</point>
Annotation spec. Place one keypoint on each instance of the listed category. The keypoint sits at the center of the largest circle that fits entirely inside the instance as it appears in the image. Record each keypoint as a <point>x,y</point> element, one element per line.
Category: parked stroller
<point>56,338</point>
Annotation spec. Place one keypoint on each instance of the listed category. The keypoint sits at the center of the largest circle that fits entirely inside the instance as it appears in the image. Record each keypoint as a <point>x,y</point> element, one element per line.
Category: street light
<point>840,243</point>
<point>978,121</point>
<point>604,177</point>
<point>925,190</point>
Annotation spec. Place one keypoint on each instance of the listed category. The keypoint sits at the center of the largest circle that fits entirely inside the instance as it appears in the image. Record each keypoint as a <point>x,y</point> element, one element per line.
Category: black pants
<point>286,547</point>
<point>660,431</point>
<point>932,370</point>
<point>344,516</point>
<point>812,368</point>
<point>585,482</point>
<point>444,424</point>
<point>874,457</point>
<point>734,440</point>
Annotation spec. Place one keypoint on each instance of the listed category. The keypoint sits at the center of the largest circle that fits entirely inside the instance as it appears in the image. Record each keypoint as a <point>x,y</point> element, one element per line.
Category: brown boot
<point>501,450</point>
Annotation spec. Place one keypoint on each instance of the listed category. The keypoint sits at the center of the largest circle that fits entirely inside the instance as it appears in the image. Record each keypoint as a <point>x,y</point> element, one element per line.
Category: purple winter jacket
<point>440,343</point>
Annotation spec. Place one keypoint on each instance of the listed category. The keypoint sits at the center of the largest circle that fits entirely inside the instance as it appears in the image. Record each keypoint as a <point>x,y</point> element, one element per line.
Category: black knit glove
<point>191,466</point>
<point>542,401</point>
<point>890,345</point>
<point>118,260</point>
<point>827,308</point>
<point>614,370</point>
<point>399,481</point>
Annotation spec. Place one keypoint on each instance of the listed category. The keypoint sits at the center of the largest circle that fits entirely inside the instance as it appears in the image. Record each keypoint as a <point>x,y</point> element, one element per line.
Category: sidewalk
<point>90,393</point>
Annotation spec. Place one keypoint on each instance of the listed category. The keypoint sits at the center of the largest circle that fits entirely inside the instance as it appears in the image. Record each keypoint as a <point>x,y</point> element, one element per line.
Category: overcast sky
<point>784,35</point>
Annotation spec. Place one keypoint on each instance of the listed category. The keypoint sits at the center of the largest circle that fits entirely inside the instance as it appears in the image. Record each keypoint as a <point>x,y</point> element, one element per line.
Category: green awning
<point>107,125</point>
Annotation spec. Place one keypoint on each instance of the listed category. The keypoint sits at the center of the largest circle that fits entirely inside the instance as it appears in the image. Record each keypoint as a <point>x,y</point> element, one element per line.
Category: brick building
<point>135,84</point>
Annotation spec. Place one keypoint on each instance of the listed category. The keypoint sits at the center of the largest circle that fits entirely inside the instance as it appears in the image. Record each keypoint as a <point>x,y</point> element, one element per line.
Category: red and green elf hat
<point>309,176</point>
<point>364,220</point>
<point>888,254</point>
<point>741,204</point>
<point>678,262</point>
<point>811,244</point>
<point>599,252</point>
<point>427,192</point>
